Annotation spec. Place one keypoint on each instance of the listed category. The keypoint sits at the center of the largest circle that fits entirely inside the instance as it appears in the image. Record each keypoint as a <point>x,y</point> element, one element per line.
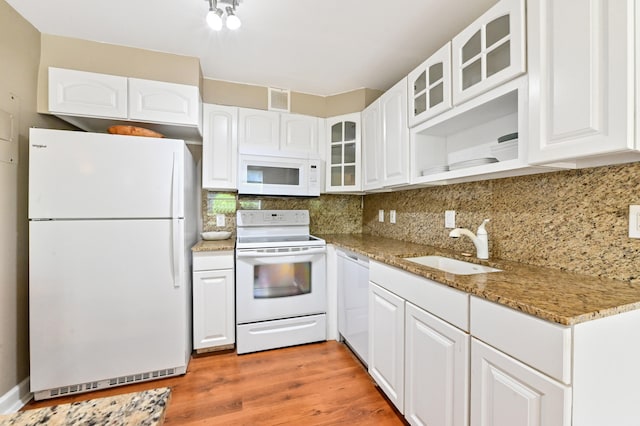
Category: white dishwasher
<point>353,302</point>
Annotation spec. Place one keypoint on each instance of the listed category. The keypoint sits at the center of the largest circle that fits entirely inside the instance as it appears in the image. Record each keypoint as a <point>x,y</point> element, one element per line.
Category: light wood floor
<point>316,384</point>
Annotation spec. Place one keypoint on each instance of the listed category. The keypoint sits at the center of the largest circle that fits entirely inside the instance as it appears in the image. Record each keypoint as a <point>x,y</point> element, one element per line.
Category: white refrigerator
<point>111,224</point>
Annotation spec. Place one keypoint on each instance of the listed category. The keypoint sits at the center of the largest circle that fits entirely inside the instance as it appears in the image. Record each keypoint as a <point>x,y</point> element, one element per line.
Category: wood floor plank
<point>316,384</point>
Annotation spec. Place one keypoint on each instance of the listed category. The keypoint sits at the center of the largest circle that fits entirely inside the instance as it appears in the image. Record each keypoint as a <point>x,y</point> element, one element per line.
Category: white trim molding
<point>16,398</point>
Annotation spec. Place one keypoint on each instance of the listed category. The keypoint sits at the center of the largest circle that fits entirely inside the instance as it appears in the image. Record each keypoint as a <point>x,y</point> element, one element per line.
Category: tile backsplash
<point>571,220</point>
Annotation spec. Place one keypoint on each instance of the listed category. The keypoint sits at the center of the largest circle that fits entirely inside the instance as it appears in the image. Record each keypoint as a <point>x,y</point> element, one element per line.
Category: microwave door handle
<point>252,253</point>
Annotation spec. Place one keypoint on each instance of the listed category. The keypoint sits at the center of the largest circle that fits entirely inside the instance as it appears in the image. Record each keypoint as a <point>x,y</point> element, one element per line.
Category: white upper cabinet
<point>270,131</point>
<point>299,133</point>
<point>581,81</point>
<point>343,153</point>
<point>93,102</point>
<point>220,147</point>
<point>490,51</point>
<point>87,93</point>
<point>385,140</point>
<point>395,134</point>
<point>372,160</point>
<point>161,102</point>
<point>429,90</point>
<point>258,129</point>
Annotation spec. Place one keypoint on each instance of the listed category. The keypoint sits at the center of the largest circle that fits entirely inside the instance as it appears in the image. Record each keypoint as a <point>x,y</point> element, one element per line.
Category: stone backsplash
<point>329,214</point>
<point>571,220</point>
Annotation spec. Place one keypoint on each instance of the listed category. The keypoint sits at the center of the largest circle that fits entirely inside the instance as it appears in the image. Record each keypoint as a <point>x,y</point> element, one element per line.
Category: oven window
<point>281,280</point>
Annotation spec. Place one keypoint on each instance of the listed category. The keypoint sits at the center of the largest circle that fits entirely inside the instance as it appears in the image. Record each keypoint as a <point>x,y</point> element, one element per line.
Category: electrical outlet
<point>450,219</point>
<point>380,215</point>
<point>392,216</point>
<point>634,221</point>
<point>219,219</point>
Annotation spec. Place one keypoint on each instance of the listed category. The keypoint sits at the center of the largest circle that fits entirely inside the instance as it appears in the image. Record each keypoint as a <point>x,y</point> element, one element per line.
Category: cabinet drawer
<point>203,261</point>
<point>444,302</point>
<point>543,345</point>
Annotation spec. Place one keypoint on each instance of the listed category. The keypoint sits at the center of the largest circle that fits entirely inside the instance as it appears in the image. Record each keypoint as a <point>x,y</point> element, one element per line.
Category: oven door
<point>274,283</point>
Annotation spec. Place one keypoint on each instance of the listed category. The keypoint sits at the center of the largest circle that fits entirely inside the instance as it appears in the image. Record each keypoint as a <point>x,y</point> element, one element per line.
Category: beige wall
<point>250,96</point>
<point>19,55</point>
<point>84,55</point>
<point>572,220</point>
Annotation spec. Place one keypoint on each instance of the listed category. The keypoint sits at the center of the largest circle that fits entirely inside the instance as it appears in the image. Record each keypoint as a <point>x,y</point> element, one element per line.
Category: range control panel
<point>272,217</point>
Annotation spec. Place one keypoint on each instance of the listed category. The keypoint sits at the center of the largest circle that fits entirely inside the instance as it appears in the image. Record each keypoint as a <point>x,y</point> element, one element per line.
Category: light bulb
<point>233,22</point>
<point>214,19</point>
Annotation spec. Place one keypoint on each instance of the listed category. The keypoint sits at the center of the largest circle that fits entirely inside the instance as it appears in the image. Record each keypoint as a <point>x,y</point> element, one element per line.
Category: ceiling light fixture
<point>215,14</point>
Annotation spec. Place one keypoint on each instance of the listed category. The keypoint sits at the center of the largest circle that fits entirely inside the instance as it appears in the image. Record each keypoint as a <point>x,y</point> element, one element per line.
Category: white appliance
<point>353,302</point>
<point>281,292</point>
<point>112,220</point>
<point>279,175</point>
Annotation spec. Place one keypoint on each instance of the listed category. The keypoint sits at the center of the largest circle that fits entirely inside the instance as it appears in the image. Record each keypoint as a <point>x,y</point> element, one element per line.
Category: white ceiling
<point>318,47</point>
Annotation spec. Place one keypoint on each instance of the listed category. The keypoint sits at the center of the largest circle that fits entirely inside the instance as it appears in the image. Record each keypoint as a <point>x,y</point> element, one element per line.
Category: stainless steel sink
<point>452,266</point>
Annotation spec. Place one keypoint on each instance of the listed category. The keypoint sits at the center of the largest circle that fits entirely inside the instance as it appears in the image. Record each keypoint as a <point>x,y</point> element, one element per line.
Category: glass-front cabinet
<point>490,51</point>
<point>343,171</point>
<point>430,87</point>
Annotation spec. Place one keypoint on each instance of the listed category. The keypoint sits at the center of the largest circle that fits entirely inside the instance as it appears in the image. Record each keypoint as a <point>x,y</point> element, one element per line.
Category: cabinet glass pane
<point>499,58</point>
<point>497,29</point>
<point>336,176</point>
<point>471,47</point>
<point>349,131</point>
<point>420,104</point>
<point>336,132</point>
<point>336,154</point>
<point>436,94</point>
<point>435,73</point>
<point>349,153</point>
<point>421,83</point>
<point>471,74</point>
<point>349,175</point>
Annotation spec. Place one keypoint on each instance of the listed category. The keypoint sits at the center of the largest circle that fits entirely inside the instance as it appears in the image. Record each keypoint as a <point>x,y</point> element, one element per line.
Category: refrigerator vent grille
<point>117,381</point>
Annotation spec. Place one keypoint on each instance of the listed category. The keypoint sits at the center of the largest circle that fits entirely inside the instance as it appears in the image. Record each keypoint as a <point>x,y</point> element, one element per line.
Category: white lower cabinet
<point>436,370</point>
<point>213,300</point>
<point>417,357</point>
<point>506,392</point>
<point>386,343</point>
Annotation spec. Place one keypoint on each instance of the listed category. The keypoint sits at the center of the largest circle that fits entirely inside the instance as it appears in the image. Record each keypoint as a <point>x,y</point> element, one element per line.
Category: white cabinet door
<point>213,300</point>
<point>343,153</point>
<point>161,102</point>
<point>505,392</point>
<point>87,93</point>
<point>580,78</point>
<point>258,130</point>
<point>386,343</point>
<point>429,87</point>
<point>299,133</point>
<point>220,147</point>
<point>372,161</point>
<point>490,51</point>
<point>436,371</point>
<point>395,134</point>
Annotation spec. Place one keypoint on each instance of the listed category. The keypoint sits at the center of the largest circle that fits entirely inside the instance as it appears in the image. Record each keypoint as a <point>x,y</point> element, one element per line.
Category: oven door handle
<point>257,253</point>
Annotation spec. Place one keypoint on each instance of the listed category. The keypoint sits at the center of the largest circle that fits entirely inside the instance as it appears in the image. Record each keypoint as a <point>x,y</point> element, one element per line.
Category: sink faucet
<point>481,241</point>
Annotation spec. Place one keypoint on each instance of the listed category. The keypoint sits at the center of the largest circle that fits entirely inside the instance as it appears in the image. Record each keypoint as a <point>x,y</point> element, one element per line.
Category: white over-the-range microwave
<point>279,174</point>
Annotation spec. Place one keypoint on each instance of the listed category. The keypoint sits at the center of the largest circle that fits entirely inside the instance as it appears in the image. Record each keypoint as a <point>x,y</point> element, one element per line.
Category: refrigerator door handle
<point>176,255</point>
<point>175,186</point>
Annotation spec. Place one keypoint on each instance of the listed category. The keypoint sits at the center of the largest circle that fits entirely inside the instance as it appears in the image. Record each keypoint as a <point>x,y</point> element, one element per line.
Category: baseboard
<point>16,398</point>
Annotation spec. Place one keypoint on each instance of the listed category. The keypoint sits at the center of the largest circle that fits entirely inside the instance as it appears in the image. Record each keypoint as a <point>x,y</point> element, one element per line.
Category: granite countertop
<point>561,297</point>
<point>146,408</point>
<point>217,245</point>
